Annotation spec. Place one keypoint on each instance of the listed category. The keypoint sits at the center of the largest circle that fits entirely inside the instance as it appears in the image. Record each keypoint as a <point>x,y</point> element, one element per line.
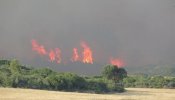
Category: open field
<point>131,94</point>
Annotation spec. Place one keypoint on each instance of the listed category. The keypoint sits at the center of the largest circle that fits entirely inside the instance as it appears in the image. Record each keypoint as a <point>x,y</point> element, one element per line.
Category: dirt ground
<point>131,94</point>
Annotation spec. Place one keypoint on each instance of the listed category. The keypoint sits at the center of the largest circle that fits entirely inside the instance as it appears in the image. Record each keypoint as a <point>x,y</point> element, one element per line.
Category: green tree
<point>129,81</point>
<point>112,72</point>
<point>15,66</point>
<point>157,82</point>
<point>4,62</point>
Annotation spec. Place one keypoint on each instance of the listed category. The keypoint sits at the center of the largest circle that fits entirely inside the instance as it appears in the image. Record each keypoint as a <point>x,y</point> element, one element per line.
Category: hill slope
<point>162,69</point>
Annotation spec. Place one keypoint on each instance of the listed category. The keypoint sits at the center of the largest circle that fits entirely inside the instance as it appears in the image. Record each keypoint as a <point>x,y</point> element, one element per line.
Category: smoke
<point>140,32</point>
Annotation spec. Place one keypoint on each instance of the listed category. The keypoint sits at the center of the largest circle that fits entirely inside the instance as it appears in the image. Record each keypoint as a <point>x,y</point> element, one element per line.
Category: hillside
<point>162,69</point>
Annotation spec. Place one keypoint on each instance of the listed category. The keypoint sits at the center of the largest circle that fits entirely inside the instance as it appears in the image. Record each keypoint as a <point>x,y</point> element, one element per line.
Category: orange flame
<point>52,55</point>
<point>116,61</point>
<point>87,53</point>
<point>58,55</point>
<point>38,48</point>
<point>86,57</point>
<point>75,56</point>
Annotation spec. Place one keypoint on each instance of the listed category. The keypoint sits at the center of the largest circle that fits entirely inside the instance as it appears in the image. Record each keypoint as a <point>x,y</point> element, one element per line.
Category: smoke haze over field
<point>140,32</point>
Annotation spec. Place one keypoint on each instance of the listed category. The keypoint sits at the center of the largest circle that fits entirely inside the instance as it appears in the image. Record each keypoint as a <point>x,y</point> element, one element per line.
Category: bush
<point>157,82</point>
<point>129,82</point>
<point>35,82</point>
<point>65,81</point>
<point>171,85</point>
<point>1,81</point>
<point>97,86</point>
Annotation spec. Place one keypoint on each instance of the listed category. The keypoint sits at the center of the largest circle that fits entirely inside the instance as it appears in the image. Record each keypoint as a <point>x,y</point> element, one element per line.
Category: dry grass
<point>131,94</point>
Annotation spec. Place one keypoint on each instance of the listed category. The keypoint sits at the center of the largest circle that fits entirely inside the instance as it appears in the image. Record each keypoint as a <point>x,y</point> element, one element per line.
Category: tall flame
<point>87,53</point>
<point>85,57</point>
<point>52,55</point>
<point>58,55</point>
<point>75,56</point>
<point>38,48</point>
<point>116,61</point>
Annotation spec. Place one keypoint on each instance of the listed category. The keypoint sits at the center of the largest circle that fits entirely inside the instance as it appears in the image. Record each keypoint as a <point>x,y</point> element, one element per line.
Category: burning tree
<point>116,74</point>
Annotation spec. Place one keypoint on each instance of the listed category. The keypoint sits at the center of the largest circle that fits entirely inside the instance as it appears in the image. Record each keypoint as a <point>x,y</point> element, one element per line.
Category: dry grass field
<point>131,94</point>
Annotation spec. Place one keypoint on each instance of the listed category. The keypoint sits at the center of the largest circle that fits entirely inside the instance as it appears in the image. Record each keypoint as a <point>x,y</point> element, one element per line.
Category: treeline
<point>146,81</point>
<point>153,70</point>
<point>12,74</point>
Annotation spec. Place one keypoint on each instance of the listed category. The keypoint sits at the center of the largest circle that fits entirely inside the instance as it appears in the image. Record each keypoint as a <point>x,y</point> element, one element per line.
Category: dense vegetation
<point>113,79</point>
<point>146,81</point>
<point>12,74</point>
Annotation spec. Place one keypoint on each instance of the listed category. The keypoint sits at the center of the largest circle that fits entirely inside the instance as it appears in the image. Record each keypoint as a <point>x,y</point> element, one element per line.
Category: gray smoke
<point>139,31</point>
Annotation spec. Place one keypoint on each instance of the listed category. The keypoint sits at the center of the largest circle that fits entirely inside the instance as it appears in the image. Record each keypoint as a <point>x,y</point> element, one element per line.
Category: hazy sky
<point>139,31</point>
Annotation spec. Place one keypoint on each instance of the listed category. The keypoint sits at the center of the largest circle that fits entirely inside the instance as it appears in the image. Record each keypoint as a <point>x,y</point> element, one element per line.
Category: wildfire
<point>75,56</point>
<point>52,55</point>
<point>58,55</point>
<point>38,48</point>
<point>55,55</point>
<point>87,53</point>
<point>84,56</point>
<point>116,61</point>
